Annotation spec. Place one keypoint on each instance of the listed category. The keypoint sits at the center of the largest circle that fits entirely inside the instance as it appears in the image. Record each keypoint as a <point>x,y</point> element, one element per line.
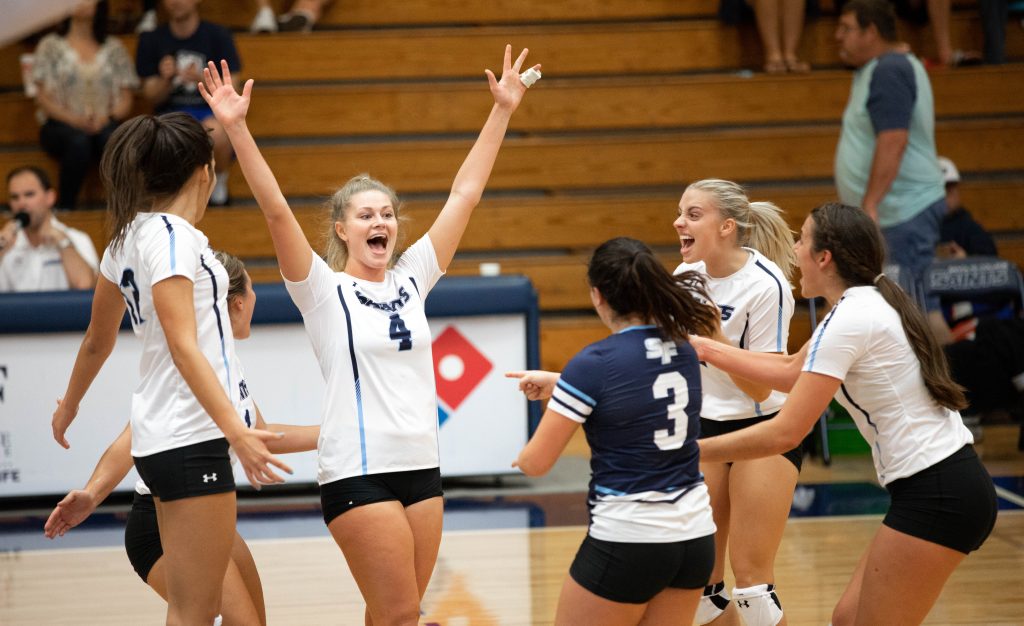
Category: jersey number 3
<point>400,333</point>
<point>672,384</point>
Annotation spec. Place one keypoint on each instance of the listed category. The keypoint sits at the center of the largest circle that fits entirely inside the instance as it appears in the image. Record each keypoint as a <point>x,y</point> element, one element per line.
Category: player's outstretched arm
<point>294,254</point>
<point>535,384</point>
<point>548,441</point>
<point>293,438</point>
<point>469,183</point>
<point>105,320</point>
<point>78,505</point>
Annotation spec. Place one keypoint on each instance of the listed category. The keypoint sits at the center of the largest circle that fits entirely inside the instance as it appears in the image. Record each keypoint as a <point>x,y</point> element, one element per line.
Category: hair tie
<point>878,278</point>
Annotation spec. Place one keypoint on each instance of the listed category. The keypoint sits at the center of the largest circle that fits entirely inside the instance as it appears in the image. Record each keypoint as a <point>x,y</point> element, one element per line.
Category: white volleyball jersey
<point>862,342</point>
<point>756,305</point>
<point>374,349</point>
<point>165,413</point>
<point>246,411</point>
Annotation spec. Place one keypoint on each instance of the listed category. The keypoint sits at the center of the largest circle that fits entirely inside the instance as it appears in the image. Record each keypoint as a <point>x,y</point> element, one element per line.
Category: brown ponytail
<point>150,158</point>
<point>858,252</point>
<point>634,282</point>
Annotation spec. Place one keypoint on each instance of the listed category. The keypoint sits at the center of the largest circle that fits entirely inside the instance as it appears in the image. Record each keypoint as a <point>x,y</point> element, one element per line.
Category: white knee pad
<point>758,605</point>
<point>712,603</point>
<point>217,621</point>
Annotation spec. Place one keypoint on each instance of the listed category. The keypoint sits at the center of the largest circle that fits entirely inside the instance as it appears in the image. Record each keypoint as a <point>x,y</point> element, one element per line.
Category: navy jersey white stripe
<point>613,386</point>
<point>572,402</point>
<point>638,397</point>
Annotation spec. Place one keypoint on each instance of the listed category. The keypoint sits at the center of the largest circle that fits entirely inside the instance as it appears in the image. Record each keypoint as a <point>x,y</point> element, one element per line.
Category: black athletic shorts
<point>711,428</point>
<point>634,573</point>
<point>407,487</point>
<point>951,503</point>
<point>200,469</point>
<point>142,537</point>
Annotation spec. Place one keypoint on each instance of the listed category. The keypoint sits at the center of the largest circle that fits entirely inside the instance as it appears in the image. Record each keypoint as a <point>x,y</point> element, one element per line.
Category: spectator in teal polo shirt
<point>886,161</point>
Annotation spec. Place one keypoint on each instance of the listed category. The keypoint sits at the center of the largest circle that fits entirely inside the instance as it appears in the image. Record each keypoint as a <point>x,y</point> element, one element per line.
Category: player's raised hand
<point>508,92</point>
<point>228,106</point>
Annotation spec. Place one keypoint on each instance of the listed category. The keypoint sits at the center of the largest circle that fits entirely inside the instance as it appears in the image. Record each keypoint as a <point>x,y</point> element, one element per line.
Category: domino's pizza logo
<point>459,368</point>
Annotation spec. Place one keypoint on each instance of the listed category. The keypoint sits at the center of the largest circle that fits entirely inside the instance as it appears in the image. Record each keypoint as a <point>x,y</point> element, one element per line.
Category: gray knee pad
<point>758,605</point>
<point>712,603</point>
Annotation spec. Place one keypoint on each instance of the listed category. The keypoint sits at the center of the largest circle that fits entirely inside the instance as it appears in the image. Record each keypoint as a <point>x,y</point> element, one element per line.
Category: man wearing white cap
<point>960,235</point>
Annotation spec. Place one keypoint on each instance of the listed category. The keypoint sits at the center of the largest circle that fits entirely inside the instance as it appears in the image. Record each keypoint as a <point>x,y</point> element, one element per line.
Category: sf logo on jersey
<point>659,349</point>
<point>726,311</point>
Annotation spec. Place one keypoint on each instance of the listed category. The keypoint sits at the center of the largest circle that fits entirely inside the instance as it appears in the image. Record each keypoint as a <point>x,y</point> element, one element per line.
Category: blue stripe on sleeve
<point>821,333</point>
<point>569,408</point>
<point>778,326</point>
<point>170,230</point>
<point>579,395</point>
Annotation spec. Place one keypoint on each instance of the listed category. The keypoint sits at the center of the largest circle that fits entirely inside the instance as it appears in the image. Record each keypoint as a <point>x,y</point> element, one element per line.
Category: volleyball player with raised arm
<point>745,252</point>
<point>378,452</point>
<point>650,546</point>
<point>875,354</point>
<point>158,173</point>
<point>242,592</point>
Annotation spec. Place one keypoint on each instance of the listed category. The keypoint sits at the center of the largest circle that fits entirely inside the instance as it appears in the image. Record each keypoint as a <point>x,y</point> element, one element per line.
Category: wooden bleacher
<point>639,97</point>
<point>568,49</point>
<point>290,111</point>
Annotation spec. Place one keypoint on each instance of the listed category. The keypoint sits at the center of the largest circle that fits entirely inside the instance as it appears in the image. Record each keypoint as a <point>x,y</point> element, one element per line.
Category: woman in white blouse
<point>84,81</point>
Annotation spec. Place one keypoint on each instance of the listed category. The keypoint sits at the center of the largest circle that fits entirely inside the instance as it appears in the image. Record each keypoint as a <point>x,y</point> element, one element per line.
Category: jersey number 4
<point>672,384</point>
<point>400,333</point>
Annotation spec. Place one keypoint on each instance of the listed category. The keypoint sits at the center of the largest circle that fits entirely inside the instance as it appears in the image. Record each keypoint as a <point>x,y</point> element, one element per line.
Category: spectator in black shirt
<point>170,62</point>
<point>960,236</point>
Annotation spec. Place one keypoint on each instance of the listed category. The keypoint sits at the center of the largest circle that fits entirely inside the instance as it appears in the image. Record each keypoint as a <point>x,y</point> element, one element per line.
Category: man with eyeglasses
<point>886,161</point>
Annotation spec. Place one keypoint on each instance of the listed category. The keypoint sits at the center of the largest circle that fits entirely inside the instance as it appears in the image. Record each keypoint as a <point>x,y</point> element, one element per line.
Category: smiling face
<point>808,261</point>
<point>702,231</point>
<point>369,228</point>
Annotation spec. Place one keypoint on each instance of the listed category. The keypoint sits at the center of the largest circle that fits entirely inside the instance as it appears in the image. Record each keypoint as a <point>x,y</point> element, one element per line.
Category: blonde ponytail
<point>770,235</point>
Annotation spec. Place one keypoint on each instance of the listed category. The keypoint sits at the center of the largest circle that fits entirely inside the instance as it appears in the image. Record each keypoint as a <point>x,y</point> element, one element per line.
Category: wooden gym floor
<point>504,555</point>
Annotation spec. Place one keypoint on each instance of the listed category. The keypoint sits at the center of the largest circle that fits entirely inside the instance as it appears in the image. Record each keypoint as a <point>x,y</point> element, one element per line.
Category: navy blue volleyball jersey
<point>638,398</point>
